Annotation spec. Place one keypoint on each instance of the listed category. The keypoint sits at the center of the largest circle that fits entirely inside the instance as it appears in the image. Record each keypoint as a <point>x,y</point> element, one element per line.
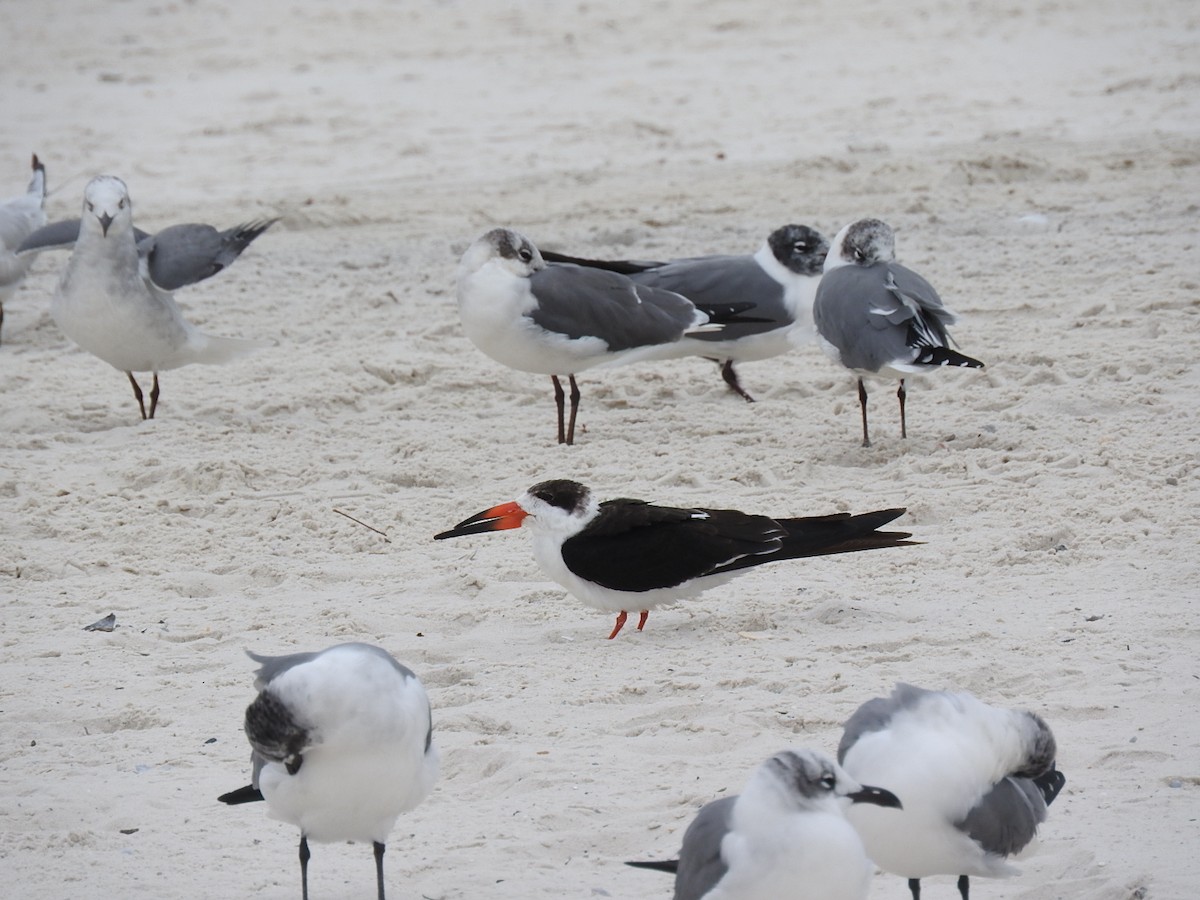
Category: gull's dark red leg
<point>862,401</point>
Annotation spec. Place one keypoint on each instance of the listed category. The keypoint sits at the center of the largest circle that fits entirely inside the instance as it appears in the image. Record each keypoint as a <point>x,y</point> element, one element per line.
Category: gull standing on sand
<point>775,288</point>
<point>20,217</point>
<point>114,299</point>
<point>975,781</point>
<point>785,837</point>
<point>560,319</point>
<point>623,555</point>
<point>876,317</point>
<point>343,743</point>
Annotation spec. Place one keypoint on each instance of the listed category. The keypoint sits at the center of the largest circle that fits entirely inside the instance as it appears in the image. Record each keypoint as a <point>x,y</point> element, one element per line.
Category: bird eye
<point>829,782</point>
<point>800,246</point>
<point>859,255</point>
<point>544,496</point>
<point>525,253</point>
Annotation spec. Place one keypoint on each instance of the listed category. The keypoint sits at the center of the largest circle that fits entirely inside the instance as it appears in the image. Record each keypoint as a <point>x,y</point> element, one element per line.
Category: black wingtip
<point>666,865</point>
<point>36,165</point>
<point>620,266</point>
<point>248,231</point>
<point>247,794</point>
<point>944,356</point>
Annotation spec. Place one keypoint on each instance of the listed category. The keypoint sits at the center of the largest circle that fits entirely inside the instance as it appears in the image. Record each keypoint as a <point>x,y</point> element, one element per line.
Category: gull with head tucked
<point>876,317</point>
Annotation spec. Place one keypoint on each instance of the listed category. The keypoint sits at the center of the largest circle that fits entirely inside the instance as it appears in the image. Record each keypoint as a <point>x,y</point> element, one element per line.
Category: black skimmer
<point>776,285</point>
<point>623,555</point>
<point>114,298</point>
<point>785,837</point>
<point>342,744</point>
<point>876,317</point>
<point>20,217</point>
<point>975,781</point>
<point>559,319</point>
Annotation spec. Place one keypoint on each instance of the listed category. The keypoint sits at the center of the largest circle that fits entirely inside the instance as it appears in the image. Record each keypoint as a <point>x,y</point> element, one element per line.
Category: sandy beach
<point>1041,166</point>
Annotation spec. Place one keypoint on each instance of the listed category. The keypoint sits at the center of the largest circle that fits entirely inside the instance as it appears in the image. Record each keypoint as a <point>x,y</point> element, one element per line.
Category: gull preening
<point>785,837</point>
<point>975,781</point>
<point>114,298</point>
<point>342,745</point>
<point>622,555</point>
<point>20,216</point>
<point>772,291</point>
<point>876,317</point>
<point>560,319</point>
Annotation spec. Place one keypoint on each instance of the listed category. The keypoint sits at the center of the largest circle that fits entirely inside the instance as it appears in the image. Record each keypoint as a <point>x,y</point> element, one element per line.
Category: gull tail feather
<point>211,349</point>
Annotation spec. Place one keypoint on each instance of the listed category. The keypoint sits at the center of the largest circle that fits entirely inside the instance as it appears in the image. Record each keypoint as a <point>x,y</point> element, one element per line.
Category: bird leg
<point>902,394</point>
<point>137,392</point>
<point>621,617</point>
<point>730,375</point>
<point>559,397</point>
<point>574,411</point>
<point>379,848</point>
<point>642,619</point>
<point>154,396</point>
<point>914,885</point>
<point>964,886</point>
<point>862,401</point>
<point>304,857</point>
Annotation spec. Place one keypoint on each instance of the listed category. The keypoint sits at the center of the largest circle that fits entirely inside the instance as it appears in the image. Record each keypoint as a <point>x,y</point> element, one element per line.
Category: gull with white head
<point>114,298</point>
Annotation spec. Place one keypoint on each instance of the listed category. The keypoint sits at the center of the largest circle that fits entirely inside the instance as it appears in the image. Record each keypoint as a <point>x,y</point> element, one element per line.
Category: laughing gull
<point>561,319</point>
<point>777,284</point>
<point>114,299</point>
<point>343,743</point>
<point>623,555</point>
<point>975,781</point>
<point>876,317</point>
<point>785,837</point>
<point>20,217</point>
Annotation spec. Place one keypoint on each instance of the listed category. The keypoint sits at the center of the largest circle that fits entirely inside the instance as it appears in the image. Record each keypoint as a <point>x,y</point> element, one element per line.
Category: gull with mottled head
<point>559,319</point>
<point>785,837</point>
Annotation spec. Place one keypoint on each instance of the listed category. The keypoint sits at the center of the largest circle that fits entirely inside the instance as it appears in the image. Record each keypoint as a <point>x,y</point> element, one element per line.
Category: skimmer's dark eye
<point>525,253</point>
<point>829,782</point>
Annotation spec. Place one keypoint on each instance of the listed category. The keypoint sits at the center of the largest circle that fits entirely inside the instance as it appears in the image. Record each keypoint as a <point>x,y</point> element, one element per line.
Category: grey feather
<point>1006,819</point>
<point>175,257</point>
<point>61,236</point>
<point>860,310</point>
<point>700,862</point>
<point>580,302</point>
<point>712,280</point>
<point>185,254</point>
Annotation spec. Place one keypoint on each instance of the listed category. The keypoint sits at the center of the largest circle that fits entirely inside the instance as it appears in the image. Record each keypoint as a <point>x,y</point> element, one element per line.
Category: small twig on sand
<point>363,524</point>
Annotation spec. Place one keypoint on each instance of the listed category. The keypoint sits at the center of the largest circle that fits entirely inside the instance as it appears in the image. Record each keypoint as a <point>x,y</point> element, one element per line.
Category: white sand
<point>1040,165</point>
